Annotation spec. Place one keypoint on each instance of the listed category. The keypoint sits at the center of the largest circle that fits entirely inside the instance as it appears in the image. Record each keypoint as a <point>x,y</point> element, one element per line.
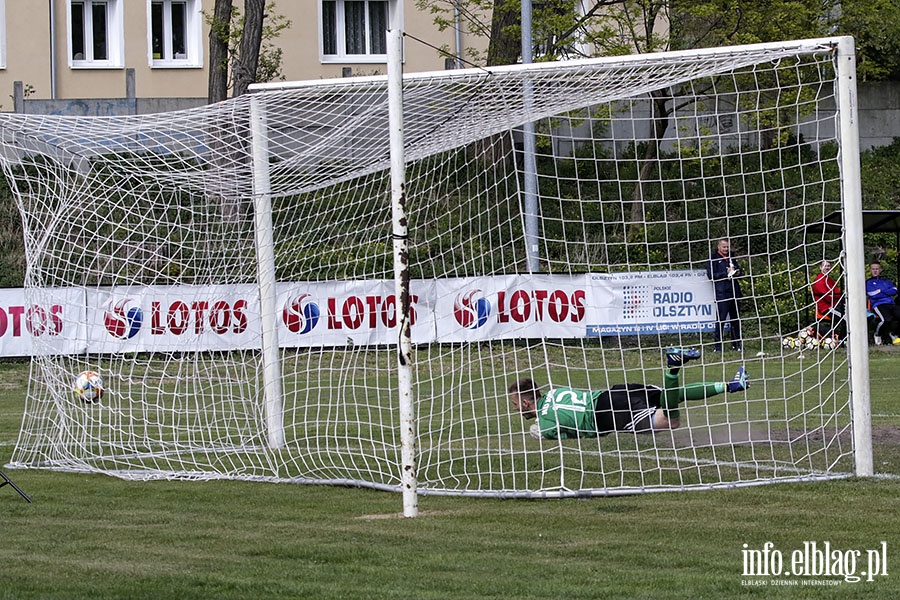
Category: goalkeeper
<point>632,407</point>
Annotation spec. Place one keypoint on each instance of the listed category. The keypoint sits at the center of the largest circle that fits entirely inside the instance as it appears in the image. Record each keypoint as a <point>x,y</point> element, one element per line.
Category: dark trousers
<point>832,322</point>
<point>886,320</point>
<point>727,311</point>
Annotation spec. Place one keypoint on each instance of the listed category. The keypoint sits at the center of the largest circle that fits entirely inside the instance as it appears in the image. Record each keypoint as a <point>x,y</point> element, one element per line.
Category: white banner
<point>50,321</point>
<point>173,318</point>
<point>510,307</point>
<point>360,313</point>
<point>652,302</point>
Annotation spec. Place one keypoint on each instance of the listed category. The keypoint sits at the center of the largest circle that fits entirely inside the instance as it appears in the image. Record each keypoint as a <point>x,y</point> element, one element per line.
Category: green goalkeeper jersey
<point>567,413</point>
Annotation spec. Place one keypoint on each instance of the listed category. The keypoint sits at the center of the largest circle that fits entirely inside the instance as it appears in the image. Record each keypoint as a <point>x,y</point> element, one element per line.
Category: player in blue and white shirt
<point>880,293</point>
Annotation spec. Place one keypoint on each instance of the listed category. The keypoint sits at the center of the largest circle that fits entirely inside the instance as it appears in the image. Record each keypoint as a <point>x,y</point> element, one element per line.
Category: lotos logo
<point>471,309</point>
<point>300,315</point>
<point>525,306</point>
<point>37,320</point>
<point>123,321</point>
<point>368,312</point>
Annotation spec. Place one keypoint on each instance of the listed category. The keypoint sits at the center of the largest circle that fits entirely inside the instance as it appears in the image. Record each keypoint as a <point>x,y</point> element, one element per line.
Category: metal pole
<point>532,248</point>
<point>457,23</point>
<point>53,68</point>
<point>851,192</point>
<point>8,481</point>
<point>408,467</point>
<point>265,267</point>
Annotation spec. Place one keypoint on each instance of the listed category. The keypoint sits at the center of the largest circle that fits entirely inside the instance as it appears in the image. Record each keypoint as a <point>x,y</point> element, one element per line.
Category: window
<point>95,33</point>
<point>354,30</point>
<point>175,33</point>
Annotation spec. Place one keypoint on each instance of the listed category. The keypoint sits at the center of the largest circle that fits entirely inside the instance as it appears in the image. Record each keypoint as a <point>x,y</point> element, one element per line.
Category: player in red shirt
<point>829,299</point>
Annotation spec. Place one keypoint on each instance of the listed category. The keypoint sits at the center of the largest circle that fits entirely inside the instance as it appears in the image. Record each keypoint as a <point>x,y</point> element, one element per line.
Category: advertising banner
<point>650,303</point>
<point>510,307</point>
<point>172,318</point>
<point>350,313</point>
<point>50,321</point>
<point>354,313</point>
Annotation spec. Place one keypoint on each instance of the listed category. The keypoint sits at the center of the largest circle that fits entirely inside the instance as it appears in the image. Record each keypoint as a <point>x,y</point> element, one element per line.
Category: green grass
<point>93,536</point>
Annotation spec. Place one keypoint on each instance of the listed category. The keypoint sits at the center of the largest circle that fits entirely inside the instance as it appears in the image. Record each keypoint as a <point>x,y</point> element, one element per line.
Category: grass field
<point>87,536</point>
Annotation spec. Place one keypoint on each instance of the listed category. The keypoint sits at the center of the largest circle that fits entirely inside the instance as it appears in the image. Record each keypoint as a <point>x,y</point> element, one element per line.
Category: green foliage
<point>875,26</point>
<point>712,23</point>
<point>763,200</point>
<point>779,296</point>
<point>144,231</point>
<point>608,28</point>
<point>881,177</point>
<point>270,56</point>
<point>12,244</point>
<point>881,191</point>
<point>346,232</point>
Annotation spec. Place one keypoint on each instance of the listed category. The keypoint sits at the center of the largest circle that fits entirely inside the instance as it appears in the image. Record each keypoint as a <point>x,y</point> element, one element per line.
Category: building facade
<point>62,49</point>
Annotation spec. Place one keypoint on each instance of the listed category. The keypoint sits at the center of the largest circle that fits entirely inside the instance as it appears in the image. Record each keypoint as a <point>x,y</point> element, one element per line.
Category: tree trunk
<point>251,41</point>
<point>218,52</point>
<point>503,48</point>
<point>650,160</point>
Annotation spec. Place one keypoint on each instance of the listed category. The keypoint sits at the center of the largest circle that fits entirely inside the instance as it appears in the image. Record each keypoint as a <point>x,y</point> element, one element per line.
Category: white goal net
<point>230,273</point>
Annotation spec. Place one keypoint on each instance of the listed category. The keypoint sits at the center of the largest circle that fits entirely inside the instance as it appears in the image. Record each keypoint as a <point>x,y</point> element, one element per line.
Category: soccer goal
<point>296,285</point>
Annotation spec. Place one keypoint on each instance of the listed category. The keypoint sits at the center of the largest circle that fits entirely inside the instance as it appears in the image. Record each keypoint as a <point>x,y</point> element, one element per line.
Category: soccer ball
<point>88,387</point>
<point>830,342</point>
<point>789,343</point>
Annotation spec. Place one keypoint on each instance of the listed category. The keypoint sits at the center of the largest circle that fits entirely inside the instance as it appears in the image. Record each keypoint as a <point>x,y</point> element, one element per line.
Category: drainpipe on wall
<point>456,23</point>
<point>53,49</point>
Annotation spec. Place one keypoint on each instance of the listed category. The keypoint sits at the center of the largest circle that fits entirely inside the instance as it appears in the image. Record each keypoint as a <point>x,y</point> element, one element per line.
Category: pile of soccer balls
<point>808,339</point>
<point>88,387</point>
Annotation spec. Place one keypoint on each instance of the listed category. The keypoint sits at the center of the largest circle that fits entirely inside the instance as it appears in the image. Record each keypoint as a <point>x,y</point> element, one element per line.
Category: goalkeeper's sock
<point>671,395</point>
<point>699,391</point>
<point>674,393</point>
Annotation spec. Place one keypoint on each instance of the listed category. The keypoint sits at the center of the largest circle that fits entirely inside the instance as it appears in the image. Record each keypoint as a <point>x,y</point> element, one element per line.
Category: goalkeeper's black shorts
<point>627,407</point>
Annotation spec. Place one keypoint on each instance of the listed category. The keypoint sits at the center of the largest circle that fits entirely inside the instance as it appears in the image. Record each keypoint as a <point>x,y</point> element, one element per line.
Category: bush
<point>12,245</point>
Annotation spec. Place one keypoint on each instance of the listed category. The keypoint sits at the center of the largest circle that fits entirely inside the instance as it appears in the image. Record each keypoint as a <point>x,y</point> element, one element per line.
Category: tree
<point>613,27</point>
<point>219,34</point>
<point>875,24</point>
<point>505,44</point>
<point>616,27</point>
<point>247,60</point>
<point>240,46</point>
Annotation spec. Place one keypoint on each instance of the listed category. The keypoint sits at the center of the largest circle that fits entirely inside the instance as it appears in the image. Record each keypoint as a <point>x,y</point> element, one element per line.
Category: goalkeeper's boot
<point>676,357</point>
<point>740,382</point>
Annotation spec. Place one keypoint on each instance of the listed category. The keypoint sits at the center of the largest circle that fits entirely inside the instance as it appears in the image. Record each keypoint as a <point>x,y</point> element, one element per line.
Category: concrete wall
<point>879,114</point>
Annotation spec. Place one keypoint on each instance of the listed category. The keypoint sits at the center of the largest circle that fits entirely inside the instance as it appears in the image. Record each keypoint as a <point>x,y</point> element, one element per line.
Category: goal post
<point>400,235</point>
<point>337,281</point>
<point>856,262</point>
<point>265,265</point>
